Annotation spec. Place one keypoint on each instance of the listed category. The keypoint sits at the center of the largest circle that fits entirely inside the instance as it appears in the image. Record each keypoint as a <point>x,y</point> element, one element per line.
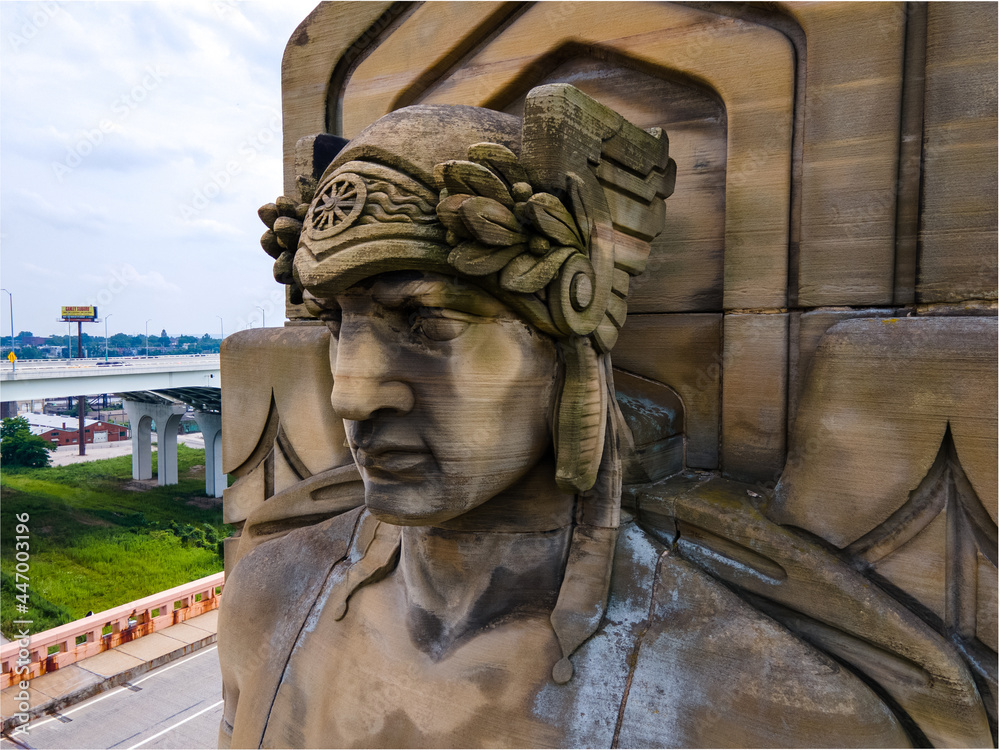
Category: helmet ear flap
<point>581,416</point>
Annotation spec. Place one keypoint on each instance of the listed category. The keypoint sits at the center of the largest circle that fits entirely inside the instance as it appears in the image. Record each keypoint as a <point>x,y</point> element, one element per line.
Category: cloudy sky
<point>137,140</point>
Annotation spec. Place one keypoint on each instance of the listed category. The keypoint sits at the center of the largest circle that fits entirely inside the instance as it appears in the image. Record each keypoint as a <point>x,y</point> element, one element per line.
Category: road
<point>176,705</point>
<point>173,360</point>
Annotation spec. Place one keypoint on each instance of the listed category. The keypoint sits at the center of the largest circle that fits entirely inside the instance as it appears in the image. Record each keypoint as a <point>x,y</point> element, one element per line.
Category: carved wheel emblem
<point>337,206</point>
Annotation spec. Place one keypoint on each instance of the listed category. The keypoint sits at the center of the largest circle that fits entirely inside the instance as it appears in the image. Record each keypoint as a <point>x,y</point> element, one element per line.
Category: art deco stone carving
<point>522,563</point>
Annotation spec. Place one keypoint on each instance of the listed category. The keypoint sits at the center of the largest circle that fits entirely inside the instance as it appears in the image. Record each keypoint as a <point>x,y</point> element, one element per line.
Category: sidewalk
<point>88,677</point>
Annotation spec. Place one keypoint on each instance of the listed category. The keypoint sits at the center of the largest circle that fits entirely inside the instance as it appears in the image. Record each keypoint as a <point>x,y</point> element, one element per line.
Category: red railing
<point>51,649</point>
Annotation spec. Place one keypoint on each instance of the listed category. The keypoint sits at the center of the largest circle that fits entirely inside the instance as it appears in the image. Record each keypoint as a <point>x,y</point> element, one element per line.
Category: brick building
<point>66,431</point>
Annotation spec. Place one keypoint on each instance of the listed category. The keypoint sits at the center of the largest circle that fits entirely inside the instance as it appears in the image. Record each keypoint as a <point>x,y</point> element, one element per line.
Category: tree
<point>18,447</point>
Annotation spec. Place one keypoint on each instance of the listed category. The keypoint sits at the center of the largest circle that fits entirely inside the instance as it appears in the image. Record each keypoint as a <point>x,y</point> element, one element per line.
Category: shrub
<point>18,447</point>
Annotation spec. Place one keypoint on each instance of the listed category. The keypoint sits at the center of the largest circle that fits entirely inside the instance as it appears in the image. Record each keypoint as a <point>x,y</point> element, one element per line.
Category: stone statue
<point>497,587</point>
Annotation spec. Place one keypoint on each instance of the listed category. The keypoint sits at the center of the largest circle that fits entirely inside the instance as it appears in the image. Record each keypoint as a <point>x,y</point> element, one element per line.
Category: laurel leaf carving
<point>490,222</point>
<point>500,159</point>
<point>476,259</point>
<point>528,273</point>
<point>447,211</point>
<point>550,217</point>
<point>474,179</point>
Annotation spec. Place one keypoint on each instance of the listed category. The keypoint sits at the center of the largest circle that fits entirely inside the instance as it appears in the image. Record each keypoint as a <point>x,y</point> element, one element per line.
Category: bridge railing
<point>49,650</point>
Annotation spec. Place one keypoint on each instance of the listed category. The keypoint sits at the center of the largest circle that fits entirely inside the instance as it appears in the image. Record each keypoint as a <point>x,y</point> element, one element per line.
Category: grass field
<point>97,539</point>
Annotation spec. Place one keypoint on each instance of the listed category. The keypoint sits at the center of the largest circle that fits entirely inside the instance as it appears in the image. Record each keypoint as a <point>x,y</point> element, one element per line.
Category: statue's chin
<point>399,517</point>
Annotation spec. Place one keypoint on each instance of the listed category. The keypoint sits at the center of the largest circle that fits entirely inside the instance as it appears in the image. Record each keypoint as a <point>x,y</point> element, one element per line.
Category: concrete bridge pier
<point>141,416</point>
<point>211,429</point>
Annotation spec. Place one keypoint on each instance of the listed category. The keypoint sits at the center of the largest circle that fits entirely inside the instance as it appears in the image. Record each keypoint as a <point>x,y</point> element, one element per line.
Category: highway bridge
<point>155,390</point>
<point>30,379</point>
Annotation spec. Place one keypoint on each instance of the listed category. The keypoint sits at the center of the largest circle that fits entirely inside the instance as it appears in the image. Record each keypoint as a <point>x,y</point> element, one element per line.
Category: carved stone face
<point>446,395</point>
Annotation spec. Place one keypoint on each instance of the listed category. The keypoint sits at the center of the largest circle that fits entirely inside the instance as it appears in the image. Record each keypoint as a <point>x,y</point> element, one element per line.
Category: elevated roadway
<point>57,378</point>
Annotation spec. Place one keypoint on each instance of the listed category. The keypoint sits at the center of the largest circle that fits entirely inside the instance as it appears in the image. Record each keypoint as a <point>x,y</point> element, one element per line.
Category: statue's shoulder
<point>682,660</point>
<point>717,671</point>
<point>267,598</point>
<point>768,622</point>
<point>281,577</point>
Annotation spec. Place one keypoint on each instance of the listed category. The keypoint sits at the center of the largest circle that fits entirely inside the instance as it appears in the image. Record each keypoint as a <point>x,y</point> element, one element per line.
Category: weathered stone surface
<point>805,331</point>
<point>881,394</point>
<point>894,459</point>
<point>692,44</point>
<point>958,234</point>
<point>754,393</point>
<point>850,151</point>
<point>332,32</point>
<point>291,367</point>
<point>683,352</point>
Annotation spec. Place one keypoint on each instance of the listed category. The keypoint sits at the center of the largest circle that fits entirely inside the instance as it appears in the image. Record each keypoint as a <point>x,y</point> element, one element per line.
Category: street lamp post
<point>11,318</point>
<point>147,337</point>
<point>106,335</point>
<point>263,321</point>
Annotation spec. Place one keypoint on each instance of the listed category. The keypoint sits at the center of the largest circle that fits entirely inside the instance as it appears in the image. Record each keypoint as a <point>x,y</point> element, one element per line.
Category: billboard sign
<point>79,314</point>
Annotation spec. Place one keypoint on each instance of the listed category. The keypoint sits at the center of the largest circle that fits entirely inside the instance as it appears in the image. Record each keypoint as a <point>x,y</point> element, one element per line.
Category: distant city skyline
<point>137,141</point>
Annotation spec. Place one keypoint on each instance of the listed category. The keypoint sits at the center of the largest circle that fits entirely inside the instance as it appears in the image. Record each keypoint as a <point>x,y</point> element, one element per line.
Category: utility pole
<point>11,319</point>
<point>13,360</point>
<point>81,401</point>
<point>106,335</point>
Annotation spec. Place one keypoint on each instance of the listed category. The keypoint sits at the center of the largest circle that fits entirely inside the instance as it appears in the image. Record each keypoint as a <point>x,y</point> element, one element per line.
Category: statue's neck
<point>503,559</point>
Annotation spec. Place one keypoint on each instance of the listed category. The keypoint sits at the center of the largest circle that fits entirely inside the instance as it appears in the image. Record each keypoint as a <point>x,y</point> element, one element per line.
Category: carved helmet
<point>552,215</point>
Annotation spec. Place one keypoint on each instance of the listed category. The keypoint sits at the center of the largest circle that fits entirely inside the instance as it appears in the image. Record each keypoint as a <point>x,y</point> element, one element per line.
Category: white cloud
<point>113,117</point>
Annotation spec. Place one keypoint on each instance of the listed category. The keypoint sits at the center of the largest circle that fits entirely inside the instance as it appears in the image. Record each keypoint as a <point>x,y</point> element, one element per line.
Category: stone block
<point>291,368</point>
<point>958,232</point>
<point>879,398</point>
<point>684,352</point>
<point>851,117</point>
<point>805,331</point>
<point>754,393</point>
<point>893,458</point>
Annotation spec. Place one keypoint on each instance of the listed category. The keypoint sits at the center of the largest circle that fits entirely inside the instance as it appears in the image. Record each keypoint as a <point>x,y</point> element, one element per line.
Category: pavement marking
<point>174,726</point>
<point>115,691</point>
<point>179,662</point>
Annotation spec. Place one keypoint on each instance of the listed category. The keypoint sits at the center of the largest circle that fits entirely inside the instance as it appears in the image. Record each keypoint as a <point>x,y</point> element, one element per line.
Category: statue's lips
<point>392,460</point>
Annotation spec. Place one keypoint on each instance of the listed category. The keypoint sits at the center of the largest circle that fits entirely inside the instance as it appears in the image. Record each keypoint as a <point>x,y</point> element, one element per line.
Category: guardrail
<point>49,650</point>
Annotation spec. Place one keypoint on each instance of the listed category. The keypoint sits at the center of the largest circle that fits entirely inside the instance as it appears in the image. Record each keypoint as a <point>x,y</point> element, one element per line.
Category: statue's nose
<point>367,376</point>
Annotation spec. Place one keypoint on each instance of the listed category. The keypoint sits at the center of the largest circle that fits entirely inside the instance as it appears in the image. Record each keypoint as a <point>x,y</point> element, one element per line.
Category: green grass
<point>98,540</point>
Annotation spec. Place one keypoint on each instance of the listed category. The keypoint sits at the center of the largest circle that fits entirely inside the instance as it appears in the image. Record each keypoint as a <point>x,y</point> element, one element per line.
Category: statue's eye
<point>438,324</point>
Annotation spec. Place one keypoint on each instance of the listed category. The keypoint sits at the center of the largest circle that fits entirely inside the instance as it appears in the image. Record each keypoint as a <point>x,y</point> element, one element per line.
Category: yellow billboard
<point>79,313</point>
